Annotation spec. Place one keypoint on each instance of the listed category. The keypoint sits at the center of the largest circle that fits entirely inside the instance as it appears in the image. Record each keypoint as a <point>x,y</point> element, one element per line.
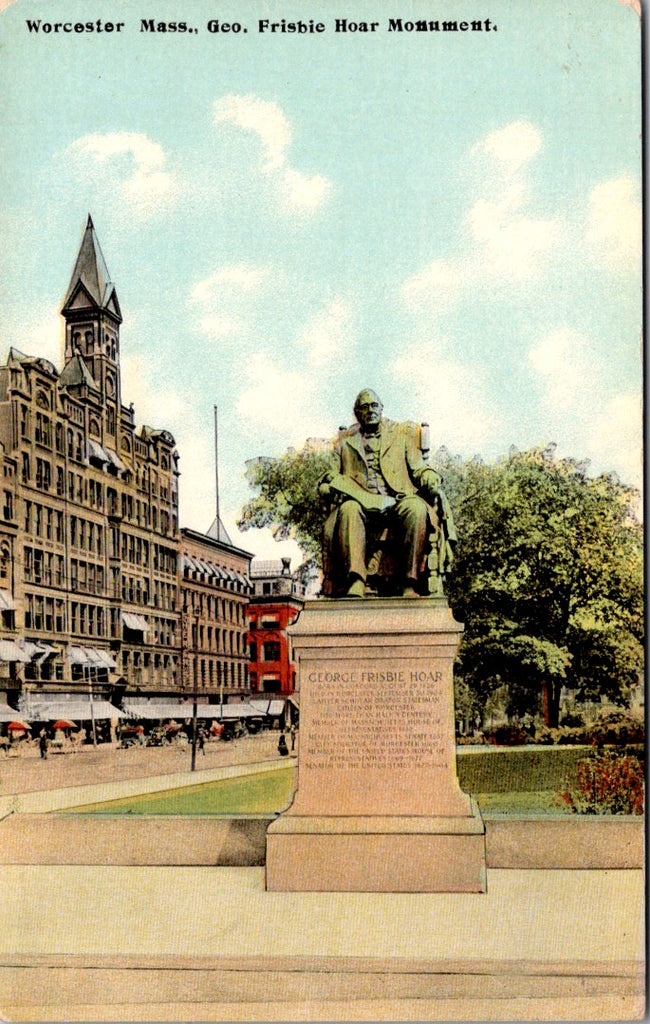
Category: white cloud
<point>567,367</point>
<point>299,192</point>
<point>224,299</point>
<point>512,146</point>
<point>613,229</point>
<point>450,395</point>
<point>132,165</point>
<point>504,244</point>
<point>264,118</point>
<point>440,283</point>
<point>302,193</point>
<point>240,277</point>
<point>330,335</point>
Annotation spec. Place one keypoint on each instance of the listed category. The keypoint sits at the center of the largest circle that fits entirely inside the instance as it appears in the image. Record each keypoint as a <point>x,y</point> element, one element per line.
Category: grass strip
<point>504,781</point>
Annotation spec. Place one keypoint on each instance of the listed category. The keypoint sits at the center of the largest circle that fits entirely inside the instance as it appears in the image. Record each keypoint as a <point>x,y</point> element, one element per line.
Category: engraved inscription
<point>376,718</point>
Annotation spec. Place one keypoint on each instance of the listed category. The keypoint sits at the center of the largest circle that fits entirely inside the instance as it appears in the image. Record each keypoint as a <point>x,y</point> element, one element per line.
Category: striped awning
<point>7,603</point>
<point>91,656</point>
<point>136,622</point>
<point>76,709</point>
<point>95,451</point>
<point>115,460</point>
<point>268,707</point>
<point>235,711</point>
<point>10,651</point>
<point>153,710</point>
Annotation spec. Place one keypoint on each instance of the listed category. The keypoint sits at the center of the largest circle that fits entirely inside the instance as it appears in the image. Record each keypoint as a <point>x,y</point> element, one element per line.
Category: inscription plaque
<point>375,717</point>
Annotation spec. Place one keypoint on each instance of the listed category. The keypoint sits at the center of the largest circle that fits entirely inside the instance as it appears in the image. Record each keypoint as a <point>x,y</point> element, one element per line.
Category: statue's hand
<point>324,490</point>
<point>387,503</point>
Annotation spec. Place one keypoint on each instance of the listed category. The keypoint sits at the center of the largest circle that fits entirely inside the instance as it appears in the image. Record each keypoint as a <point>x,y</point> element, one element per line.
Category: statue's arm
<point>424,476</point>
<point>333,469</point>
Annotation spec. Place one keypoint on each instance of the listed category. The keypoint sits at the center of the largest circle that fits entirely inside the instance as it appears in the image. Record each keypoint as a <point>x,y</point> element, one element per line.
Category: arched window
<point>5,559</point>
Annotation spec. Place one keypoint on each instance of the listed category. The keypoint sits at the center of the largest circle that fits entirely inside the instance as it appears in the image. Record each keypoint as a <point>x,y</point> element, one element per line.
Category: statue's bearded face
<point>368,410</point>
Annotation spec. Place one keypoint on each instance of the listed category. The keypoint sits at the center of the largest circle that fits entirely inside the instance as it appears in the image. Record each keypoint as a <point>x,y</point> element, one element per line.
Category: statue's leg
<point>351,541</point>
<point>412,514</point>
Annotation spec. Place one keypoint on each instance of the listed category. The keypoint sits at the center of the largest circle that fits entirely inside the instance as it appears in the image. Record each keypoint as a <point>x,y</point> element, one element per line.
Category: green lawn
<point>516,770</point>
<point>261,793</point>
<point>504,781</point>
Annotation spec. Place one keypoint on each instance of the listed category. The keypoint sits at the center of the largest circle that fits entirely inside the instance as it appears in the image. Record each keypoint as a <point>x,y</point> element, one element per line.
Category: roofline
<point>187,531</point>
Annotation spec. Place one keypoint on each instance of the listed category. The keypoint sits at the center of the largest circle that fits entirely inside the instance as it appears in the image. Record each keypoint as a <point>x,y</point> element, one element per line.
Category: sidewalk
<point>106,943</point>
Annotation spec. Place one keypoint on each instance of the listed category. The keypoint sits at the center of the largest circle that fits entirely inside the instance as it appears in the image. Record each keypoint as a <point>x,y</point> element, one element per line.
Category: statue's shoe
<point>409,591</point>
<point>357,589</point>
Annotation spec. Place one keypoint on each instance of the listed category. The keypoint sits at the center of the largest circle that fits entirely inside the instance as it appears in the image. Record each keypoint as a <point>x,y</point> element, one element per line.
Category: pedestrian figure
<point>42,744</point>
<point>283,749</point>
<point>201,738</point>
<point>293,737</point>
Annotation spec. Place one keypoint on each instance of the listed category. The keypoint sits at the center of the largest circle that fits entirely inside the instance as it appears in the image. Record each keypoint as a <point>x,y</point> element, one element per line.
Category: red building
<point>274,605</point>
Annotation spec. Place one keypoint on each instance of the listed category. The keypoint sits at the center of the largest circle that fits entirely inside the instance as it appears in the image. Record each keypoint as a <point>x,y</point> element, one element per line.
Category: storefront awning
<point>90,656</point>
<point>235,711</point>
<point>36,650</point>
<point>7,603</point>
<point>95,451</point>
<point>153,710</point>
<point>136,622</point>
<point>115,460</point>
<point>10,651</point>
<point>75,709</point>
<point>268,707</point>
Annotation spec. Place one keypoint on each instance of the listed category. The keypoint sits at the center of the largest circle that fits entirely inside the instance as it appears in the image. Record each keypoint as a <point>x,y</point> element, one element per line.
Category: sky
<point>452,219</point>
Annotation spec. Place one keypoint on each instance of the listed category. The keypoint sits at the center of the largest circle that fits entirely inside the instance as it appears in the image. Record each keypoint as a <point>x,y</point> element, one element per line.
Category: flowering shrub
<point>607,783</point>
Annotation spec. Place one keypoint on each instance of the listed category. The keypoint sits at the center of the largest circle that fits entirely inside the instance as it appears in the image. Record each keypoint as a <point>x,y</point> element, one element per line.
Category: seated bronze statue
<point>390,529</point>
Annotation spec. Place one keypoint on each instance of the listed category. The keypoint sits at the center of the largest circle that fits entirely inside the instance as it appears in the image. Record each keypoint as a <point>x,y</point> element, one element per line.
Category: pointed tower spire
<point>91,275</point>
<point>92,329</point>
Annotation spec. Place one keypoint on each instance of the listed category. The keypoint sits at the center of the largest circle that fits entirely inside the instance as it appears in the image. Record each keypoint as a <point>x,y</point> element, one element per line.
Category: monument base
<point>378,806</point>
<point>376,854</point>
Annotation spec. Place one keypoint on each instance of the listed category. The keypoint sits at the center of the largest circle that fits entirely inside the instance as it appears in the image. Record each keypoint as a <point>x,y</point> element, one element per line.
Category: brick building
<point>275,604</point>
<point>90,579</point>
<point>215,591</point>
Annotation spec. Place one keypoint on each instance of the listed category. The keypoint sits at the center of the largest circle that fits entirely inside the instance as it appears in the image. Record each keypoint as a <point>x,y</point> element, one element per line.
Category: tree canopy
<point>548,572</point>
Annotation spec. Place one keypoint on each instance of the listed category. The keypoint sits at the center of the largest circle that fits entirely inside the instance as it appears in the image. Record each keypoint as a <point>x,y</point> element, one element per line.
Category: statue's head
<point>368,409</point>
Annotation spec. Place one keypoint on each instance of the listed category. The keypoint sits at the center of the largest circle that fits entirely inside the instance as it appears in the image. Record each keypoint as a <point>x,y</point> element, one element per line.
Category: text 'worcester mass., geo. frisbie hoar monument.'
<point>378,805</point>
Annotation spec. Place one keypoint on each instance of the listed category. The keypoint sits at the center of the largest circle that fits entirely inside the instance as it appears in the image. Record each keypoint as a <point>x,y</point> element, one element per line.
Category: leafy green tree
<point>286,498</point>
<point>547,578</point>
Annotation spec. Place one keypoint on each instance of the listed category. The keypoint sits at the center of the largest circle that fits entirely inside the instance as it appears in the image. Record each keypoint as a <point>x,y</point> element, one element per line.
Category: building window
<point>271,650</point>
<point>26,473</point>
<point>43,475</point>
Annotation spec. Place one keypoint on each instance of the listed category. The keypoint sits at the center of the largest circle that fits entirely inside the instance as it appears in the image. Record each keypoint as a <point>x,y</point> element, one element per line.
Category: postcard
<point>321,380</point>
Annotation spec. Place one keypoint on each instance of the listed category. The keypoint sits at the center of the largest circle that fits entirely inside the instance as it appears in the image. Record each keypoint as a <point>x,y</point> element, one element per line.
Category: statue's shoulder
<point>345,433</point>
<point>403,428</point>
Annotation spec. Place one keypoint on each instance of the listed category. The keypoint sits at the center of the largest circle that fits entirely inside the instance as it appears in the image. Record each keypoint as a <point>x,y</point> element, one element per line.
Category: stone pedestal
<point>378,805</point>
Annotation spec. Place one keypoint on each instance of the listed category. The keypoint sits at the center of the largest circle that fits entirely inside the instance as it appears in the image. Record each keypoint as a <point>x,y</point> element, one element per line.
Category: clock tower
<point>92,326</point>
